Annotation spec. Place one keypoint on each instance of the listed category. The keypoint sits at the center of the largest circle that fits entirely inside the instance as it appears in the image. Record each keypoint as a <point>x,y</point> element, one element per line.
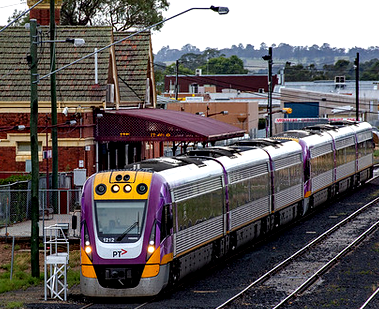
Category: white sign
<point>311,120</point>
<point>194,99</point>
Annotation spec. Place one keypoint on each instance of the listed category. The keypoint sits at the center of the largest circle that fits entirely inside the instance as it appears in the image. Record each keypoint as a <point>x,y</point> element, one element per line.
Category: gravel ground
<point>347,285</point>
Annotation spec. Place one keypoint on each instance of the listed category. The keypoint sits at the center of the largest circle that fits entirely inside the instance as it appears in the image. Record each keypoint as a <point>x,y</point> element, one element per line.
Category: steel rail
<point>298,253</point>
<point>306,284</point>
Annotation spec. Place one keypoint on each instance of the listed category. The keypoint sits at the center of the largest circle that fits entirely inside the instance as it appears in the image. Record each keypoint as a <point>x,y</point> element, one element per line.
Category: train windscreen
<point>120,221</point>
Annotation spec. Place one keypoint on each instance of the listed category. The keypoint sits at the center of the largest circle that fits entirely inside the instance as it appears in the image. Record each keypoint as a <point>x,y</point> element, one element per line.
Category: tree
<point>171,70</point>
<point>120,14</point>
<point>222,65</point>
<point>21,22</point>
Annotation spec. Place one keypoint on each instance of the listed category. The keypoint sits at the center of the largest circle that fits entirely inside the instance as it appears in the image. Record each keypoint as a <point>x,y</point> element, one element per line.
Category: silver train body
<point>203,205</point>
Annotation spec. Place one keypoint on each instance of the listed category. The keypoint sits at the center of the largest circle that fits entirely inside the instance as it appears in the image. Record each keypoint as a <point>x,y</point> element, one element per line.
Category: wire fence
<point>15,204</point>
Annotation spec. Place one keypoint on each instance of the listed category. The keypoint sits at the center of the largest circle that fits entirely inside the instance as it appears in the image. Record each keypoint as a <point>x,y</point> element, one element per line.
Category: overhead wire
<point>22,14</point>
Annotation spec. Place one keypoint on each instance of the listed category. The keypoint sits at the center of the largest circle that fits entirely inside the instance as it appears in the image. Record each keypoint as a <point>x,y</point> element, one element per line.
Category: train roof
<point>199,156</point>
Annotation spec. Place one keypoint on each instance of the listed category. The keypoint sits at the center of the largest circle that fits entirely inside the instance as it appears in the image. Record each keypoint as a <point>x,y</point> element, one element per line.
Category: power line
<point>22,14</point>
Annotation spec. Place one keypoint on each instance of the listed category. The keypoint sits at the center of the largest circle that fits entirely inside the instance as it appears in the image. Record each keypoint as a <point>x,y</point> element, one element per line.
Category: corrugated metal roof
<point>162,125</point>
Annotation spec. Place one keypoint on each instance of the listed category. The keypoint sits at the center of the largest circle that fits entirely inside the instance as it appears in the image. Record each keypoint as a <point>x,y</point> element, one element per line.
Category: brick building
<point>110,96</point>
<point>123,78</point>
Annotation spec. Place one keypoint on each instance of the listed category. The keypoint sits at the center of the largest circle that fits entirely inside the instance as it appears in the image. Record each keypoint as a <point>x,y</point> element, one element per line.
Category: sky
<point>342,24</point>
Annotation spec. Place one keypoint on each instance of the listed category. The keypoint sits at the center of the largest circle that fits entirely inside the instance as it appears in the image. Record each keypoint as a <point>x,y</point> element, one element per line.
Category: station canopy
<point>161,125</point>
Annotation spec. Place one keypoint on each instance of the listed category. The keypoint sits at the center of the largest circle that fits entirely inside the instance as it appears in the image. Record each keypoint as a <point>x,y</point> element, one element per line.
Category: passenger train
<point>157,221</point>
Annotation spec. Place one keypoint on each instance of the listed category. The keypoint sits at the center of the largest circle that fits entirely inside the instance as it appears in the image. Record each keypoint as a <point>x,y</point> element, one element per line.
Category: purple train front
<point>125,230</point>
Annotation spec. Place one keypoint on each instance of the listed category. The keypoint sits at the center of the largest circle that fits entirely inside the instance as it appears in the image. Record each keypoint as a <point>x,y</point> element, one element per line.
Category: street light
<point>213,114</point>
<point>76,42</point>
<point>221,10</point>
<point>219,113</point>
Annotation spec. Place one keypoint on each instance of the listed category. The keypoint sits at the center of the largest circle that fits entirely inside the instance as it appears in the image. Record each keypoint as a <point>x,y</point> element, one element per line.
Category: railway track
<point>304,268</point>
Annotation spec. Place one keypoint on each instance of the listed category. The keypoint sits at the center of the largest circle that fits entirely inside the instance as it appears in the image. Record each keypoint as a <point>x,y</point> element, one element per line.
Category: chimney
<point>42,11</point>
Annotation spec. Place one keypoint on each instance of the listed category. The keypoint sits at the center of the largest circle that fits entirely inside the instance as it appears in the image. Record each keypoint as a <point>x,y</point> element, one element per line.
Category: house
<point>119,77</point>
<point>200,83</point>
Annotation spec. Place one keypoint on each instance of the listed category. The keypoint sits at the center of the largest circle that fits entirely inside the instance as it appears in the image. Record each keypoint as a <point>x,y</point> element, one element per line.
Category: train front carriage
<point>125,248</point>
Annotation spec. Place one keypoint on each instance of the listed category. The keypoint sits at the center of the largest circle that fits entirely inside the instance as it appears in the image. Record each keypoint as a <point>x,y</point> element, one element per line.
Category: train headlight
<point>127,188</point>
<point>87,242</point>
<point>88,250</point>
<point>115,188</point>
<point>151,245</point>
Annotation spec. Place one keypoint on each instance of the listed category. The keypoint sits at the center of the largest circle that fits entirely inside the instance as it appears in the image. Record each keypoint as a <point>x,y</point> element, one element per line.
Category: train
<point>153,223</point>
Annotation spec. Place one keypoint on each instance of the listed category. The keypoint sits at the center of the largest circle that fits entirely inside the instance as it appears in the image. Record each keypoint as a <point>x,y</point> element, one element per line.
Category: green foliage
<point>15,305</point>
<point>368,70</point>
<point>21,21</point>
<point>18,282</point>
<point>194,60</point>
<point>121,14</point>
<point>14,179</point>
<point>22,278</point>
<point>222,65</point>
<point>171,70</point>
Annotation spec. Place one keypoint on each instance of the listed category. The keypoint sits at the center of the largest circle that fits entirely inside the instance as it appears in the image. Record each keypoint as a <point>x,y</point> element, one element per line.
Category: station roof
<point>161,125</point>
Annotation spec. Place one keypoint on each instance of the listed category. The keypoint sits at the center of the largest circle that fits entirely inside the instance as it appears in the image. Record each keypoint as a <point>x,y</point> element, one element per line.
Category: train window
<point>322,164</point>
<point>288,177</point>
<point>248,190</point>
<point>345,155</point>
<point>120,221</point>
<point>167,222</point>
<point>365,148</point>
<point>199,209</point>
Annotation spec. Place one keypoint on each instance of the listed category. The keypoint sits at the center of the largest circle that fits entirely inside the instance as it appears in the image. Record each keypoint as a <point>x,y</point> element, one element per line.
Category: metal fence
<point>15,204</point>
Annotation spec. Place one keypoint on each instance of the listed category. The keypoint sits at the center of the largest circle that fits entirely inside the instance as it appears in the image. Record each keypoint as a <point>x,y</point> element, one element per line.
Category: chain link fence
<point>15,203</point>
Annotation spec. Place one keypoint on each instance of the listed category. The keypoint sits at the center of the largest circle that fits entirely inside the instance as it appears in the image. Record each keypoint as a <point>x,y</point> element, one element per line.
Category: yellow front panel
<point>150,271</point>
<point>121,179</point>
<point>87,267</point>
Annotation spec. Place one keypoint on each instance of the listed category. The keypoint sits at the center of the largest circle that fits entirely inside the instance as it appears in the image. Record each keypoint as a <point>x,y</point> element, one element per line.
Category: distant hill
<point>282,53</point>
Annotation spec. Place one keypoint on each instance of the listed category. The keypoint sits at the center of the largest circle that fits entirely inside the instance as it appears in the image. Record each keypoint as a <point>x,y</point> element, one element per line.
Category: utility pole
<point>356,63</point>
<point>269,59</point>
<point>177,80</point>
<point>53,91</point>
<point>34,148</point>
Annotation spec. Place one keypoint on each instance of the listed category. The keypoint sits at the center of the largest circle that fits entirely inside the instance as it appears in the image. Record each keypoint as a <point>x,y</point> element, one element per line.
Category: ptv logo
<point>119,253</point>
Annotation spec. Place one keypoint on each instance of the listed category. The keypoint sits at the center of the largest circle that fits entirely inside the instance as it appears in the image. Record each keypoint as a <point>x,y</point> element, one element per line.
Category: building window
<point>194,88</point>
<point>23,150</point>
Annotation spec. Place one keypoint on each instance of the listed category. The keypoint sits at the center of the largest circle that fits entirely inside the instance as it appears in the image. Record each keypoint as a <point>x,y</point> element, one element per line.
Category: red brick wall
<point>68,156</point>
<point>43,16</point>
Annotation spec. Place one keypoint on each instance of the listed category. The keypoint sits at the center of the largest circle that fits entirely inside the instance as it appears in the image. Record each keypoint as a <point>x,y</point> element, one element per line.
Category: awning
<point>161,125</point>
